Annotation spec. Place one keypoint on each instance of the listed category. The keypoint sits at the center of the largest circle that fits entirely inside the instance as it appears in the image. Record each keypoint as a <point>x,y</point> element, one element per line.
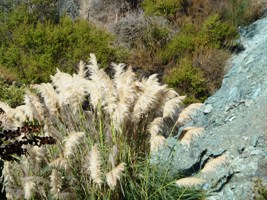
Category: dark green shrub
<point>162,7</point>
<point>188,79</point>
<point>12,94</point>
<point>181,44</point>
<point>215,33</point>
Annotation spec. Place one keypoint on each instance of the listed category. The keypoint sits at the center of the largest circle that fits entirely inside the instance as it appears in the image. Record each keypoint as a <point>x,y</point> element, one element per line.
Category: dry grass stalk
<point>214,163</point>
<point>93,165</point>
<point>59,163</point>
<point>71,142</point>
<point>150,94</point>
<point>156,142</point>
<point>192,132</point>
<point>11,118</point>
<point>33,102</point>
<point>189,182</point>
<point>55,183</point>
<point>49,95</point>
<point>114,175</point>
<point>156,126</point>
<point>82,69</point>
<point>172,106</point>
<point>29,188</point>
<point>185,115</point>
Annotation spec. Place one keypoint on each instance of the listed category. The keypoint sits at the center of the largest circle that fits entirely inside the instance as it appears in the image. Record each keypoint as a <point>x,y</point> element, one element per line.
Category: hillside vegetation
<point>189,51</point>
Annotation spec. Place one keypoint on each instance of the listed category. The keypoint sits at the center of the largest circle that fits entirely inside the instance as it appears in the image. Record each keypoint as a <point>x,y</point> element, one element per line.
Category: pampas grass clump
<point>105,128</point>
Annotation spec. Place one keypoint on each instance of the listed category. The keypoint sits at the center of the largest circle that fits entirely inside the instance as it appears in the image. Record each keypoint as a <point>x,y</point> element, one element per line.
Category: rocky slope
<point>235,122</point>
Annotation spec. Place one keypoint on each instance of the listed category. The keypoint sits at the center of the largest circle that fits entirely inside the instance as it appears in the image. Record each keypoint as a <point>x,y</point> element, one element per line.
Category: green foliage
<point>162,7</point>
<point>12,94</point>
<point>188,79</point>
<point>215,33</point>
<point>151,182</point>
<point>34,45</point>
<point>181,44</point>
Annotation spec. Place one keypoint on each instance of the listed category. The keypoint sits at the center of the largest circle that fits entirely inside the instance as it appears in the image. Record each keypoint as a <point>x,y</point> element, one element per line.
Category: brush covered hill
<point>231,154</point>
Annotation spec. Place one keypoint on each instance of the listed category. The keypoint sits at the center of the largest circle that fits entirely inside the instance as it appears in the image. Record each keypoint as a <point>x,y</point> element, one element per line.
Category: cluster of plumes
<point>12,142</point>
<point>71,110</point>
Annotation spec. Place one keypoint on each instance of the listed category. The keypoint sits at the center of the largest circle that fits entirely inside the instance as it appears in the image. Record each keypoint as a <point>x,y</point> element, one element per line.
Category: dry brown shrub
<point>212,61</point>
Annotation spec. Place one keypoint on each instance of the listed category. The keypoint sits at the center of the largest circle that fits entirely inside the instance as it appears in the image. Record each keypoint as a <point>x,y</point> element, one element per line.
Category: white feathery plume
<point>8,122</point>
<point>62,81</point>
<point>214,163</point>
<point>50,96</point>
<point>34,104</point>
<point>172,106</point>
<point>11,118</point>
<point>5,107</point>
<point>71,142</point>
<point>29,188</point>
<point>156,126</point>
<point>189,182</point>
<point>59,163</point>
<point>170,94</point>
<point>93,165</point>
<point>192,132</point>
<point>151,92</point>
<point>36,153</point>
<point>79,91</point>
<point>55,183</point>
<point>113,155</point>
<point>71,89</point>
<point>156,142</point>
<point>166,95</point>
<point>93,60</point>
<point>101,86</point>
<point>23,113</point>
<point>81,69</point>
<point>120,115</point>
<point>114,175</point>
<point>119,69</point>
<point>185,115</point>
<point>125,95</point>
<point>7,176</point>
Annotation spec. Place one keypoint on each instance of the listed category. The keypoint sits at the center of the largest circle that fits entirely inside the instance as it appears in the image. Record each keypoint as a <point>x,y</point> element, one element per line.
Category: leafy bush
<point>162,7</point>
<point>181,44</point>
<point>217,34</point>
<point>33,47</point>
<point>105,129</point>
<point>188,79</point>
<point>11,94</point>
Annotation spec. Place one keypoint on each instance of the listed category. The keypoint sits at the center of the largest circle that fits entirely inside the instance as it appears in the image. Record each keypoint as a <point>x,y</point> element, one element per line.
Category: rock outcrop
<point>235,122</point>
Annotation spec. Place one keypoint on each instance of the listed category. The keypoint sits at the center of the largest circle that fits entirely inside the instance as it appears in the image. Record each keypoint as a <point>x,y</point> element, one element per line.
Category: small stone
<point>231,118</point>
<point>208,109</point>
